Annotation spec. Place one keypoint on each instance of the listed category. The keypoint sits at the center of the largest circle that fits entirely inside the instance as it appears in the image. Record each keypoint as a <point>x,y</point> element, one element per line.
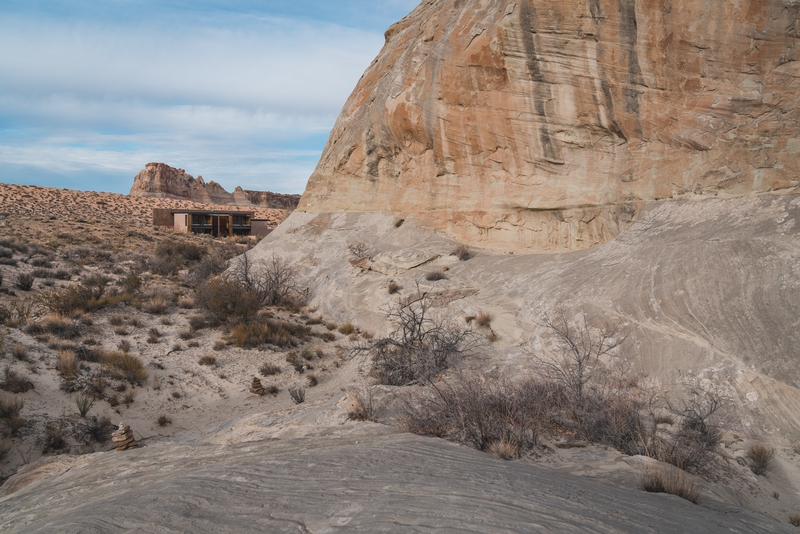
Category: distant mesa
<point>159,180</point>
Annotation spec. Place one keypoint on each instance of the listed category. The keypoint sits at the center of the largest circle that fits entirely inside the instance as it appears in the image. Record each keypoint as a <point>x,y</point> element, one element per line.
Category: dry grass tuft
<point>663,479</point>
<point>433,276</point>
<point>156,305</point>
<point>208,359</point>
<point>125,366</point>
<point>347,329</point>
<point>760,458</point>
<point>484,319</point>
<point>13,382</point>
<point>67,365</point>
<point>269,369</point>
<point>394,287</point>
<point>794,520</point>
<point>507,450</point>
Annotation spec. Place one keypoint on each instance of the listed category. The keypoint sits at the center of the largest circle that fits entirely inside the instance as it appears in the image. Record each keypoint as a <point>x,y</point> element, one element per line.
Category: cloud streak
<point>242,98</point>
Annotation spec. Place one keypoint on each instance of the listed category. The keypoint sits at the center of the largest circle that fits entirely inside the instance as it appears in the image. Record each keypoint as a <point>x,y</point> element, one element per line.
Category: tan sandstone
<point>542,125</point>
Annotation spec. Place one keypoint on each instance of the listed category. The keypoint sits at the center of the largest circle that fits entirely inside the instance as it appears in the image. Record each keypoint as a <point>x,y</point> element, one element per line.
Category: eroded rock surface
<point>162,181</point>
<point>540,124</point>
<point>365,480</point>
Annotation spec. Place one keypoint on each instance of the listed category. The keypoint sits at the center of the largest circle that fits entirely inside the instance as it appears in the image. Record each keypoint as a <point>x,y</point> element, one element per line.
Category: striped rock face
<point>544,125</point>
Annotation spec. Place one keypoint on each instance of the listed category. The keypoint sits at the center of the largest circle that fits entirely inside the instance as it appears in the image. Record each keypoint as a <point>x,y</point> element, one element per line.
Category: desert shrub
<point>127,366</point>
<point>186,303</point>
<point>163,421</point>
<point>433,276</point>
<point>70,299</point>
<point>225,299</point>
<point>156,305</point>
<point>56,325</point>
<point>187,252</point>
<point>1,278</point>
<point>330,325</point>
<point>153,336</point>
<point>209,266</point>
<point>10,409</point>
<point>24,281</point>
<point>362,407</point>
<point>13,382</point>
<point>347,329</point>
<point>272,389</point>
<point>420,346</point>
<point>19,352</point>
<point>96,429</point>
<point>67,365</point>
<point>393,287</point>
<point>116,320</point>
<point>760,458</point>
<point>6,252</point>
<point>131,283</point>
<point>129,397</point>
<point>54,439</point>
<point>268,331</point>
<point>672,480</point>
<point>358,250</point>
<point>794,520</point>
<point>313,380</point>
<point>121,331</point>
<point>41,262</point>
<point>89,354</point>
<point>462,252</point>
<point>273,280</point>
<point>95,284</point>
<point>208,359</point>
<point>298,394</point>
<point>42,273</point>
<point>197,322</point>
<point>124,346</point>
<point>484,319</point>
<point>84,403</point>
<point>269,369</point>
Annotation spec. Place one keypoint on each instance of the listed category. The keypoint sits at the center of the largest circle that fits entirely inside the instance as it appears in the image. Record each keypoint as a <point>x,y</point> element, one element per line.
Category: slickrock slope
<point>158,180</point>
<point>708,291</point>
<point>541,124</point>
<point>357,479</point>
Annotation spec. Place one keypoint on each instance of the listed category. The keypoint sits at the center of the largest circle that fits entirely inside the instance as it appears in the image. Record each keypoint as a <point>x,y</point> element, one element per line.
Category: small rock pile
<point>256,387</point>
<point>123,438</point>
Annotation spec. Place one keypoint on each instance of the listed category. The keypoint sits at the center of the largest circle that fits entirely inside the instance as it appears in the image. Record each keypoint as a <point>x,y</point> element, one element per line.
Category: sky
<point>240,92</point>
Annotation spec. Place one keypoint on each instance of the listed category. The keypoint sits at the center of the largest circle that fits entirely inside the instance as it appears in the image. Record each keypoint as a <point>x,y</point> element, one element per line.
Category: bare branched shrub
<point>54,438</point>
<point>358,250</point>
<point>422,344</point>
<point>273,280</point>
<point>760,458</point>
<point>672,480</point>
<point>226,299</point>
<point>362,407</point>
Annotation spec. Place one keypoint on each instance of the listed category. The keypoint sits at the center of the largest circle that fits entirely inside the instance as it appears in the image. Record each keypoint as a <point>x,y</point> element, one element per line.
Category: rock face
<point>542,125</point>
<point>162,181</point>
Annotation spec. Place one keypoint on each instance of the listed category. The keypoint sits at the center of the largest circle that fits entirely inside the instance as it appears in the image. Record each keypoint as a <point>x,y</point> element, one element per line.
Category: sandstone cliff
<point>162,181</point>
<point>541,124</point>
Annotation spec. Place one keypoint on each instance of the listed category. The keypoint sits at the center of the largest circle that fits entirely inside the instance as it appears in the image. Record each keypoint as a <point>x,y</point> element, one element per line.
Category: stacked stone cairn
<point>256,387</point>
<point>123,438</point>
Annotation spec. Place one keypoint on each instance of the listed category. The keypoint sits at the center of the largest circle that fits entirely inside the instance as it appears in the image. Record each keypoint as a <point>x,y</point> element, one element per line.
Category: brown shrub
<point>672,480</point>
<point>57,325</point>
<point>462,252</point>
<point>347,329</point>
<point>760,458</point>
<point>67,365</point>
<point>269,331</point>
<point>127,366</point>
<point>13,382</point>
<point>269,369</point>
<point>362,407</point>
<point>394,287</point>
<point>156,305</point>
<point>433,276</point>
<point>208,359</point>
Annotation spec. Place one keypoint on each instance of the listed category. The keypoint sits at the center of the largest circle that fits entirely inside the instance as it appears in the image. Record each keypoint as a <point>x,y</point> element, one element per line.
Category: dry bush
<point>67,365</point>
<point>13,382</point>
<point>19,352</point>
<point>225,299</point>
<point>393,287</point>
<point>462,252</point>
<point>484,319</point>
<point>121,331</point>
<point>269,369</point>
<point>268,331</point>
<point>24,281</point>
<point>163,421</point>
<point>272,389</point>
<point>208,359</point>
<point>358,250</point>
<point>507,450</point>
<point>433,276</point>
<point>186,303</point>
<point>57,325</point>
<point>129,397</point>
<point>153,336</point>
<point>760,458</point>
<point>362,406</point>
<point>54,439</point>
<point>186,334</point>
<point>10,409</point>
<point>116,320</point>
<point>421,345</point>
<point>298,394</point>
<point>96,429</point>
<point>313,380</point>
<point>124,346</point>
<point>125,366</point>
<point>794,520</point>
<point>219,345</point>
<point>273,280</point>
<point>672,480</point>
<point>347,329</point>
<point>156,305</point>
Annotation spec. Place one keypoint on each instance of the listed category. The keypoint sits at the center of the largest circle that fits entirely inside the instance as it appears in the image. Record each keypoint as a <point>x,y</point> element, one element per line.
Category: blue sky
<point>242,93</point>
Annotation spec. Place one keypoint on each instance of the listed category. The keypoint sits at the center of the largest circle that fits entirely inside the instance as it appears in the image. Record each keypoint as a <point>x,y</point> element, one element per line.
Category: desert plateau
<point>545,277</point>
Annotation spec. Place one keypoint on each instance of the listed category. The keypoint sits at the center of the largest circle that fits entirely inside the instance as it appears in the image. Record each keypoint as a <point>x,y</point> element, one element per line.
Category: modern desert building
<point>219,223</point>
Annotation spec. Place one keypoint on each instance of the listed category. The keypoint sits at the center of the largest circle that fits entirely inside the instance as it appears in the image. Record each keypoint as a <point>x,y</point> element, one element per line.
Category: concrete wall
<point>181,222</point>
<point>260,227</point>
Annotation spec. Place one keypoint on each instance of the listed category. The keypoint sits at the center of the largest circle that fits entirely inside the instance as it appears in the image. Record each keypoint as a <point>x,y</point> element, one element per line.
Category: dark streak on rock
<point>628,29</point>
<point>527,19</point>
<point>613,126</point>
